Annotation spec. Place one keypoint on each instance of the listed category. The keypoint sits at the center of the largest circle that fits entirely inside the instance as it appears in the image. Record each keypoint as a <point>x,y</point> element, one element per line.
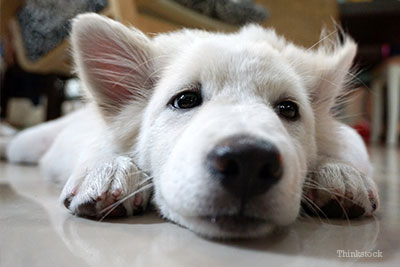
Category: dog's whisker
<point>343,209</point>
<point>145,180</point>
<point>127,197</point>
<point>312,184</point>
<point>132,173</point>
<point>314,207</point>
<point>323,39</point>
<point>139,169</point>
<point>113,206</point>
<point>317,210</point>
<point>331,191</point>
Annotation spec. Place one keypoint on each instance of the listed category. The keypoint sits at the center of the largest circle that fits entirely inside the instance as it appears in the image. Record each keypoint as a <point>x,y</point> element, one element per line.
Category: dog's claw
<point>67,201</point>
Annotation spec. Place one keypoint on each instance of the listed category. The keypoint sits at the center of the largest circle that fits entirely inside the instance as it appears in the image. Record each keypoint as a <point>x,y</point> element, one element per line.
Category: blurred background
<point>37,82</point>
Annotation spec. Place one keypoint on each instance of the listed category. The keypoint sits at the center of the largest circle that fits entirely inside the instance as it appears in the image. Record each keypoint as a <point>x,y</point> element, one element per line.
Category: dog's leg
<point>116,67</point>
<point>340,185</point>
<point>30,145</point>
<point>103,186</point>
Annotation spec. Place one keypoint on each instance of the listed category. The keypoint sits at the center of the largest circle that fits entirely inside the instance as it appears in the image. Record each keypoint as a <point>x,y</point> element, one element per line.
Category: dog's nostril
<point>245,166</point>
<point>272,169</point>
<point>226,166</point>
<point>266,172</point>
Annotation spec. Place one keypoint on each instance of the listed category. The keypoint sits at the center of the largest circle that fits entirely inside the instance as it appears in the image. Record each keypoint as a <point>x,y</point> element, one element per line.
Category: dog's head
<point>225,123</point>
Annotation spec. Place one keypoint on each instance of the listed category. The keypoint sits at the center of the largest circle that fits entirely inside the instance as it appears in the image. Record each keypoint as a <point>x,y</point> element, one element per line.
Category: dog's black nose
<point>245,166</point>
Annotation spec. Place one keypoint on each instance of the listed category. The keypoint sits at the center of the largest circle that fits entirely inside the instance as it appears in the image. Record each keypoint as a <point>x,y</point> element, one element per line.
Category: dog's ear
<point>334,73</point>
<point>113,61</point>
<point>326,71</point>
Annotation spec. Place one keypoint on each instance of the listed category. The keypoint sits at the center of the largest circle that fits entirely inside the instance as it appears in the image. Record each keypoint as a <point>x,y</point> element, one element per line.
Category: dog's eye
<point>288,109</point>
<point>186,100</point>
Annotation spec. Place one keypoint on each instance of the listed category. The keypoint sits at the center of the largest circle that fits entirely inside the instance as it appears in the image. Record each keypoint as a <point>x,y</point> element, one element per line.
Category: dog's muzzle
<point>245,166</point>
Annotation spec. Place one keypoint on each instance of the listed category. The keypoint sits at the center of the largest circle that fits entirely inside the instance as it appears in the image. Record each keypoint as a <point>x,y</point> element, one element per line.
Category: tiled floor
<point>35,230</point>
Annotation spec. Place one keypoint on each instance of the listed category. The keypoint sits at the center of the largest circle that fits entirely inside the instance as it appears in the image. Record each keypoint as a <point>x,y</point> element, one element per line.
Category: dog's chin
<point>237,225</point>
<point>226,226</point>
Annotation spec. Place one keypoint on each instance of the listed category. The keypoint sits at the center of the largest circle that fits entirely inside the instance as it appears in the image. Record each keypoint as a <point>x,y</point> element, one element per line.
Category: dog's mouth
<point>235,223</point>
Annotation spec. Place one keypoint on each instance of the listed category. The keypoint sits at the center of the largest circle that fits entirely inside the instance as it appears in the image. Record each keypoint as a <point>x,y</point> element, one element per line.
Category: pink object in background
<point>385,51</point>
<point>364,129</point>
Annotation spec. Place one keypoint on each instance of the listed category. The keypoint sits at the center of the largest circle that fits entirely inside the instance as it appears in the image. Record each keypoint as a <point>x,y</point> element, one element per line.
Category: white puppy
<point>232,131</point>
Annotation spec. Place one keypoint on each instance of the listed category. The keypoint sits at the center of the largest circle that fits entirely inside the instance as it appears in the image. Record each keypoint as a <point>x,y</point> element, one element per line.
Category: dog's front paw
<point>338,190</point>
<point>113,188</point>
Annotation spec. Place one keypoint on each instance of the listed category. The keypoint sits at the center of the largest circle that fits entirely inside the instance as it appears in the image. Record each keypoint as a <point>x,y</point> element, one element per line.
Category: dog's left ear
<point>326,71</point>
<point>113,61</point>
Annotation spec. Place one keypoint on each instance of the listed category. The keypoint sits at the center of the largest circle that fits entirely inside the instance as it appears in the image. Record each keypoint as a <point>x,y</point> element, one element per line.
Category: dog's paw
<point>338,190</point>
<point>107,189</point>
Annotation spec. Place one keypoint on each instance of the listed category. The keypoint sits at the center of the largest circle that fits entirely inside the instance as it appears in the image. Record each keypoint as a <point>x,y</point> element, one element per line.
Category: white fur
<point>130,80</point>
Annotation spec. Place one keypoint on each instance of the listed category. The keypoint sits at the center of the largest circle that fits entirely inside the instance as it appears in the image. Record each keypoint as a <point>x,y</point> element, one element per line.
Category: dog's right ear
<point>113,61</point>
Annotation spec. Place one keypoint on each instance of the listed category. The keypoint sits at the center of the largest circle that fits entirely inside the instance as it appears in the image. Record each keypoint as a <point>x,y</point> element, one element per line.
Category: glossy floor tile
<point>35,230</point>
